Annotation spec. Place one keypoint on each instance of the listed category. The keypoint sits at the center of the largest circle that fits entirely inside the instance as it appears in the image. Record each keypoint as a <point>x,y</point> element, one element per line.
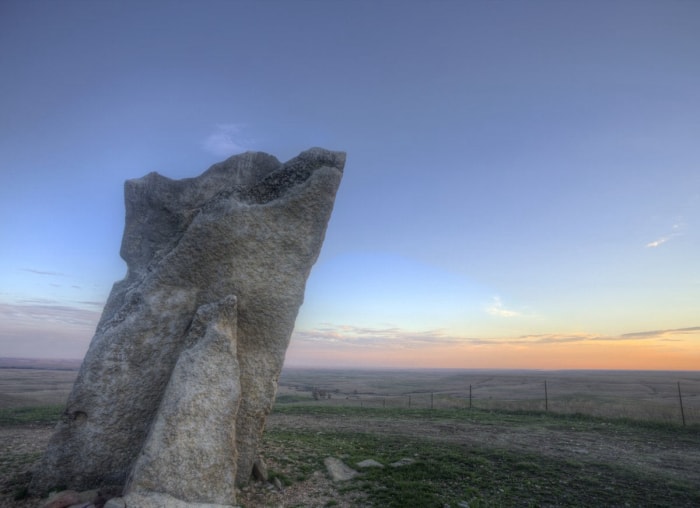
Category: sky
<point>522,187</point>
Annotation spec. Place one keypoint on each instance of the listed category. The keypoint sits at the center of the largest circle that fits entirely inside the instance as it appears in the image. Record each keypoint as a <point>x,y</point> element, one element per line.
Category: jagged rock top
<point>168,206</point>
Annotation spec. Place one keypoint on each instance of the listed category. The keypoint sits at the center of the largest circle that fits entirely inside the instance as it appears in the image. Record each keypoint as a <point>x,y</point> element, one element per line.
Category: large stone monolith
<point>173,393</point>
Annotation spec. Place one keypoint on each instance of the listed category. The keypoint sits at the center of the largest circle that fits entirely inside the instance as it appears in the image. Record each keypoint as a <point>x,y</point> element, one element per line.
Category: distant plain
<point>644,395</point>
<point>612,438</point>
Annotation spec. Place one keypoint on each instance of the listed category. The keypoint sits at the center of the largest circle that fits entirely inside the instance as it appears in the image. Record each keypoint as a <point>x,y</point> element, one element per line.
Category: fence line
<point>654,406</point>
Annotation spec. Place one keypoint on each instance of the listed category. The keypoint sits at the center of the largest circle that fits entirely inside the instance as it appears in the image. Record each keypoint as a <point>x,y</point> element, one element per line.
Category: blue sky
<point>519,174</point>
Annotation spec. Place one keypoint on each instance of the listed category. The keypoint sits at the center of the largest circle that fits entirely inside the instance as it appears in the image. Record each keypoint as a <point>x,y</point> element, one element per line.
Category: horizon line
<point>6,363</point>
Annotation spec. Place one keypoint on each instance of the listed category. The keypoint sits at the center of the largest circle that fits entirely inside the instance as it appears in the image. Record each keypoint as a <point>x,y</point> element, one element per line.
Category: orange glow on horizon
<point>605,355</point>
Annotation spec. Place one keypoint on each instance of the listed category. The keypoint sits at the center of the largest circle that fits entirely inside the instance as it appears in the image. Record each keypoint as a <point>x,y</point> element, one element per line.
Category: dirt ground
<point>671,458</point>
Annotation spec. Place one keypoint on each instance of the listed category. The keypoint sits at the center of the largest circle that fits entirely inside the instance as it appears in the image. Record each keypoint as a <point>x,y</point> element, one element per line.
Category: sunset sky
<point>522,188</point>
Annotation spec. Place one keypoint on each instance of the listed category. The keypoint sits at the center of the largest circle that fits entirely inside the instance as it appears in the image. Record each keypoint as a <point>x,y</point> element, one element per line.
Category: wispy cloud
<point>397,338</point>
<point>368,337</point>
<point>36,301</point>
<point>659,334</point>
<point>45,329</point>
<point>93,303</point>
<point>43,272</point>
<point>561,338</point>
<point>41,313</point>
<point>553,338</point>
<point>496,308</point>
<point>226,140</point>
<point>658,242</point>
<point>676,230</point>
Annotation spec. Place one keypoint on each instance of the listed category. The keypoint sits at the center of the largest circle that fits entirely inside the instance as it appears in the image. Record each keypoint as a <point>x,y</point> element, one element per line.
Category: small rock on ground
<point>338,470</point>
<point>116,502</point>
<point>62,499</point>
<point>369,463</point>
<point>406,461</point>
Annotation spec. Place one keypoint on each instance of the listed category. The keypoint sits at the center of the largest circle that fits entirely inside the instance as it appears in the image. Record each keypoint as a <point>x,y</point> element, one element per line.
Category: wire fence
<point>669,402</point>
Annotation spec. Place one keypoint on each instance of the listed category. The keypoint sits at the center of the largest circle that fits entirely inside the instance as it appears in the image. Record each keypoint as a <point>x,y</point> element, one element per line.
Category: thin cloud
<point>36,301</point>
<point>583,337</point>
<point>676,230</point>
<point>554,338</point>
<point>43,272</point>
<point>497,309</point>
<point>47,330</point>
<point>40,313</point>
<point>658,334</point>
<point>92,302</point>
<point>658,242</point>
<point>397,338</point>
<point>368,337</point>
<point>226,140</point>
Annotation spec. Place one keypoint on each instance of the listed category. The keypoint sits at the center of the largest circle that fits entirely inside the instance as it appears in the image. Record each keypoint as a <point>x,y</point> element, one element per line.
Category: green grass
<point>289,398</point>
<point>38,415</point>
<point>485,417</point>
<point>17,461</point>
<point>446,474</point>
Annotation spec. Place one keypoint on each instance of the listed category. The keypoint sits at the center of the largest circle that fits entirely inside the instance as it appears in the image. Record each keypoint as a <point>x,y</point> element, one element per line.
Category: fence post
<point>546,398</point>
<point>680,399</point>
<point>384,402</point>
<point>431,400</point>
<point>470,396</point>
<point>409,401</point>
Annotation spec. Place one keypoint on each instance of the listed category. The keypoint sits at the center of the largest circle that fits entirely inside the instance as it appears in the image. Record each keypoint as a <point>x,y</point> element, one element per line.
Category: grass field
<point>32,382</point>
<point>450,470</point>
<point>504,451</point>
<point>645,395</point>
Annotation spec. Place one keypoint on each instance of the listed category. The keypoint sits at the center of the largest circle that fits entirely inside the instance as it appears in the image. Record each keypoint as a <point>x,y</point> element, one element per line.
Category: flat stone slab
<point>116,502</point>
<point>406,461</point>
<point>369,463</point>
<point>338,470</point>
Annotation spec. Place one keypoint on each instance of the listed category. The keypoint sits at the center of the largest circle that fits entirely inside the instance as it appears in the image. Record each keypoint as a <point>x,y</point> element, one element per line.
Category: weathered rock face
<point>192,437</point>
<point>182,371</point>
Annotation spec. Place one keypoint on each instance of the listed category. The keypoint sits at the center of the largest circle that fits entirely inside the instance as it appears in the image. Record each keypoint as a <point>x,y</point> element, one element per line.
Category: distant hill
<point>41,363</point>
